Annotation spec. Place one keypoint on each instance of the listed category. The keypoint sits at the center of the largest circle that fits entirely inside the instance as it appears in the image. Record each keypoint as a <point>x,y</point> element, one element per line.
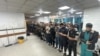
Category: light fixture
<point>64,8</point>
<point>79,13</point>
<point>32,16</point>
<point>99,0</point>
<point>72,10</point>
<point>60,13</point>
<point>43,12</point>
<point>40,11</point>
<point>46,12</point>
<point>37,14</point>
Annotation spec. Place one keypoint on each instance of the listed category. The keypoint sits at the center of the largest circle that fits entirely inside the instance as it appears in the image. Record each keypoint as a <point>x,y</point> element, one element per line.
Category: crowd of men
<point>64,37</point>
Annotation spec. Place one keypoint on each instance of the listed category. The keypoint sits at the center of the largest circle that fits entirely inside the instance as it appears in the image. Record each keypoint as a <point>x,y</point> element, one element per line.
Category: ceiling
<point>31,6</point>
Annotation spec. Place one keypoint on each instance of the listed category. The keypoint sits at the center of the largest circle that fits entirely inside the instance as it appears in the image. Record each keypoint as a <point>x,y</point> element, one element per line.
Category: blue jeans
<point>48,38</point>
<point>63,44</point>
<point>57,41</point>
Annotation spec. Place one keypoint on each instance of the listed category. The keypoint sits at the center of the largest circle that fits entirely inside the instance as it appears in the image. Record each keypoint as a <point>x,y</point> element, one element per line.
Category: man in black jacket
<point>88,39</point>
<point>63,39</point>
<point>52,34</point>
<point>72,43</point>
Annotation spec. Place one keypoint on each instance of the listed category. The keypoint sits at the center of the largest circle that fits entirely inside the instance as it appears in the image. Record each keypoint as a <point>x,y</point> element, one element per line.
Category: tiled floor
<point>32,47</point>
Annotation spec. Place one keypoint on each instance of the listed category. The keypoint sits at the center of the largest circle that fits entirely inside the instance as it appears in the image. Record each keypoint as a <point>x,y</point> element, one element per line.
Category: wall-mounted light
<point>64,8</point>
<point>79,13</point>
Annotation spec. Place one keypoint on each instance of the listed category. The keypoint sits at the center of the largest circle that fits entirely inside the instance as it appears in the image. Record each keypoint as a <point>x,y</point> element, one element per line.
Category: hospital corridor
<point>49,28</point>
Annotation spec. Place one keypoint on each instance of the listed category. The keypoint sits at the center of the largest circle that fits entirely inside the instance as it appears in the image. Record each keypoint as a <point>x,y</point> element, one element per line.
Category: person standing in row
<point>52,34</point>
<point>48,33</point>
<point>63,39</point>
<point>73,37</point>
<point>57,27</point>
<point>88,39</point>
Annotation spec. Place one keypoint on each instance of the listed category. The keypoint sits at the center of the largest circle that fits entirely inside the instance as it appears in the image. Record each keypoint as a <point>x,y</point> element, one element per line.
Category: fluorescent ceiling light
<point>32,16</point>
<point>72,10</point>
<point>37,14</point>
<point>46,12</point>
<point>40,11</point>
<point>60,13</point>
<point>64,7</point>
<point>79,13</point>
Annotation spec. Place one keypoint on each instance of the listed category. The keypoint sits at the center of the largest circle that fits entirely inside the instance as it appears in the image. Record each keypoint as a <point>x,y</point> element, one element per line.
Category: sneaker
<point>60,50</point>
<point>55,47</point>
<point>68,55</point>
<point>64,54</point>
<point>49,44</point>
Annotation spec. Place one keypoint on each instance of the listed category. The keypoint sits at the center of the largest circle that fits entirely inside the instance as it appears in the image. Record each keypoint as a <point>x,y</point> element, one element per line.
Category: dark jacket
<point>93,39</point>
<point>72,33</point>
<point>52,31</point>
<point>63,30</point>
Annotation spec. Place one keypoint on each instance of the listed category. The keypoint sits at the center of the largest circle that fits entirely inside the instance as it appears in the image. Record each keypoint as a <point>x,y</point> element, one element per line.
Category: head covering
<point>89,25</point>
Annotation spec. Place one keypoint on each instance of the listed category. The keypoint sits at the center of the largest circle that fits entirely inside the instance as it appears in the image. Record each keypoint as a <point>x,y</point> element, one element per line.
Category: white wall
<point>9,21</point>
<point>92,15</point>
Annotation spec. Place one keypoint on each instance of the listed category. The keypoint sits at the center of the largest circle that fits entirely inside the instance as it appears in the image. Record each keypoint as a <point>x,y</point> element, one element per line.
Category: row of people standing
<point>65,37</point>
<point>62,36</point>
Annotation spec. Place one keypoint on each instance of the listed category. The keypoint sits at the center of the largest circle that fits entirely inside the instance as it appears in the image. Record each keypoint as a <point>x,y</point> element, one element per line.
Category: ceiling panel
<point>66,2</point>
<point>27,7</point>
<point>16,1</point>
<point>90,3</point>
<point>12,11</point>
<point>10,7</point>
<point>14,5</point>
<point>49,5</point>
<point>85,1</point>
<point>38,1</point>
<point>2,2</point>
<point>2,6</point>
<point>30,3</point>
<point>24,9</point>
